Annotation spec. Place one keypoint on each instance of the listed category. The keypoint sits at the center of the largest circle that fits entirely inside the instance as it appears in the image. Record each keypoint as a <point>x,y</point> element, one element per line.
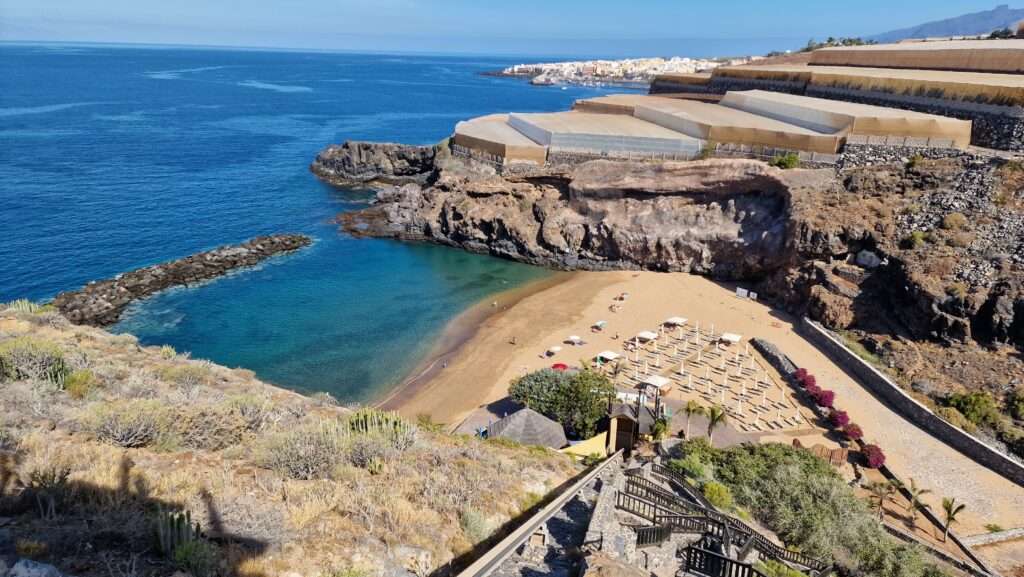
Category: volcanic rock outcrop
<point>929,248</point>
<point>101,303</point>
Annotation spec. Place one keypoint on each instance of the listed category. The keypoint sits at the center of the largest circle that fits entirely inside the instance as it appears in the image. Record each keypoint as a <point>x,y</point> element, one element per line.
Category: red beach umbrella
<point>560,367</point>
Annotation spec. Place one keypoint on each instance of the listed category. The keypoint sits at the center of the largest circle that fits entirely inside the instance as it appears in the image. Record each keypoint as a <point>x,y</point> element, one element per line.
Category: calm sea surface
<point>116,158</point>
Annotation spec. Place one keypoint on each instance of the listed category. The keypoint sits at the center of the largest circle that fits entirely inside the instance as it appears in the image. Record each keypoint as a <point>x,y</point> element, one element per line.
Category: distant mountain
<point>967,25</point>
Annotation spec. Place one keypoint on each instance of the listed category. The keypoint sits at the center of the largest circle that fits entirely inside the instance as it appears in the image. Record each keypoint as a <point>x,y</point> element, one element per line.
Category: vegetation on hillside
<point>103,440</point>
<point>805,501</point>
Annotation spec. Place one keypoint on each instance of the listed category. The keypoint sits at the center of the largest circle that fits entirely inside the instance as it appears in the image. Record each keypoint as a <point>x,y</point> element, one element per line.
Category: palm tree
<point>951,508</point>
<point>916,505</point>
<point>716,416</point>
<point>692,408</point>
<point>881,491</point>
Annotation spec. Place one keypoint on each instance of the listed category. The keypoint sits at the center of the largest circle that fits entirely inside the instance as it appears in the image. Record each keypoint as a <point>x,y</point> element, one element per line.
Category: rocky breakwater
<point>100,303</point>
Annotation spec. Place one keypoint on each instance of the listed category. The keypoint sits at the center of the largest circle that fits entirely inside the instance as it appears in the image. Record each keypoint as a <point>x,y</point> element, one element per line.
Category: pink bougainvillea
<point>813,391</point>
<point>853,431</point>
<point>825,398</point>
<point>838,419</point>
<point>809,381</point>
<point>800,375</point>
<point>874,456</point>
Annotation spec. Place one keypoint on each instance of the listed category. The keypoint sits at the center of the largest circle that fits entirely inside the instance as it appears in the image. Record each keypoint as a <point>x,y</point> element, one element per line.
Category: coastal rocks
<point>724,218</point>
<point>100,303</point>
<point>370,162</point>
<point>836,244</point>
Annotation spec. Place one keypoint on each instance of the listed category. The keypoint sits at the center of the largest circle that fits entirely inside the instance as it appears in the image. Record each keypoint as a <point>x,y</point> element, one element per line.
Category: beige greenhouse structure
<point>849,118</point>
<point>1001,89</point>
<point>730,125</point>
<point>1000,56</point>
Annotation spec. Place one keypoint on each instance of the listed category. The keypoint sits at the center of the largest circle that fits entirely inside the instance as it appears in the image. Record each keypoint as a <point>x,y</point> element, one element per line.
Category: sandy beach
<point>480,367</point>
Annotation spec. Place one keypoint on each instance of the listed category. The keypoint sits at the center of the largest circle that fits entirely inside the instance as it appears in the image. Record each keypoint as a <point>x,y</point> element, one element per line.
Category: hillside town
<point>629,71</point>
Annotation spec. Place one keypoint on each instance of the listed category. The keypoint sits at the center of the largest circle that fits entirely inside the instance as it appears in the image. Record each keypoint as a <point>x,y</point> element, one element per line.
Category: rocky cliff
<point>935,247</point>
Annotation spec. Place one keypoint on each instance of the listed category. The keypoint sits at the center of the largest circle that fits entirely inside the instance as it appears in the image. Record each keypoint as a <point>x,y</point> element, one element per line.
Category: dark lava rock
<point>100,303</point>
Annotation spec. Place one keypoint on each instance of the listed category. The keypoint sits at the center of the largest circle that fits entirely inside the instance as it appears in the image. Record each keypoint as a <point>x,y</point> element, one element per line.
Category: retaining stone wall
<point>906,405</point>
<point>871,154</point>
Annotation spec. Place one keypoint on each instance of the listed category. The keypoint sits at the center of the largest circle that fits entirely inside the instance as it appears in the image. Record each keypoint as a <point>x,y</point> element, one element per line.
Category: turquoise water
<point>116,158</point>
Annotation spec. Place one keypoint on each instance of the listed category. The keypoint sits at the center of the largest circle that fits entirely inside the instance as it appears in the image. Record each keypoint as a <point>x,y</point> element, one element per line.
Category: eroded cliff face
<point>722,218</point>
<point>839,246</point>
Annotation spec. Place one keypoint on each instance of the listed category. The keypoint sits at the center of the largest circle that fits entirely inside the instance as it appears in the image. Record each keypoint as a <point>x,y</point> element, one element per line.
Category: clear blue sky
<point>485,26</point>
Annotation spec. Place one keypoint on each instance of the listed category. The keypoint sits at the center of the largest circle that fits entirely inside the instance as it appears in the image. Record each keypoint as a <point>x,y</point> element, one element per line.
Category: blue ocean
<point>113,158</point>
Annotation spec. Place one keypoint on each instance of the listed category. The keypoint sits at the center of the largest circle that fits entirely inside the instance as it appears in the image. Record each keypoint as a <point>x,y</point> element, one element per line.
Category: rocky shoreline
<point>101,303</point>
<point>837,244</point>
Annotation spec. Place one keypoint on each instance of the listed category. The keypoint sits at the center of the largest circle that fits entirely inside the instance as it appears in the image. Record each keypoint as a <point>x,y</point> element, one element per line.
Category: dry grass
<point>206,428</point>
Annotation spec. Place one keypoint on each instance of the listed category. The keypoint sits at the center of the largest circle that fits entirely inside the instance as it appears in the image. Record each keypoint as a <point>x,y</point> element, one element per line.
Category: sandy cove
<point>482,363</point>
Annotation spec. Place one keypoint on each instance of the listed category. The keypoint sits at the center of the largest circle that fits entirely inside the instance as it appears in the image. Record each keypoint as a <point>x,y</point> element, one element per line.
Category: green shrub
<point>197,557</point>
<point>474,525</point>
<point>541,391</point>
<point>310,451</point>
<point>389,425</point>
<point>576,401</point>
<point>915,161</point>
<point>208,427</point>
<point>955,418</point>
<point>80,383</point>
<point>958,290</point>
<point>772,568</point>
<point>994,528</point>
<point>914,240</point>
<point>1015,403</point>
<point>592,460</point>
<point>189,375</point>
<point>128,424</point>
<point>34,359</point>
<point>718,494</point>
<point>954,221</point>
<point>167,352</point>
<point>786,161</point>
<point>26,306</point>
<point>690,466</point>
<point>259,413</point>
<point>977,407</point>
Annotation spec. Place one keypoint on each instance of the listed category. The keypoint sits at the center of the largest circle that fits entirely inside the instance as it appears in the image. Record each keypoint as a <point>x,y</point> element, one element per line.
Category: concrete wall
<point>907,406</point>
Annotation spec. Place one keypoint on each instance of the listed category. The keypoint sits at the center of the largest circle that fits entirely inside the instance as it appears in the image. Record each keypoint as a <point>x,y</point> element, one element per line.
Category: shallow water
<point>116,158</point>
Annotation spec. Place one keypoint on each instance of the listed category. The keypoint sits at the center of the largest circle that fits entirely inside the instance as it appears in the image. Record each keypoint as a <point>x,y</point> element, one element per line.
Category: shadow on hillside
<point>87,528</point>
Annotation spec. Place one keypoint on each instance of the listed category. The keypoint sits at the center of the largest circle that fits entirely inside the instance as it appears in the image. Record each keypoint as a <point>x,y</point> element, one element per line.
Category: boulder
<point>868,260</point>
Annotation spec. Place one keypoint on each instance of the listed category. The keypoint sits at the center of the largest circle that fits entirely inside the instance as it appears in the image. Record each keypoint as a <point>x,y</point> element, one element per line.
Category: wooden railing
<point>637,506</point>
<point>652,536</point>
<point>683,483</point>
<point>704,562</point>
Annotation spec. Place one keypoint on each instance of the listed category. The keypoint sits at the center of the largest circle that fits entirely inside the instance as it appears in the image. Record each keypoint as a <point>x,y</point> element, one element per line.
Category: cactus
<point>399,432</point>
<point>174,529</point>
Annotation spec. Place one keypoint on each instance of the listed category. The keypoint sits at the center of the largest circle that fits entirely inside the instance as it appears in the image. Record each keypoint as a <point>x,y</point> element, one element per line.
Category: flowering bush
<point>810,381</point>
<point>853,431</point>
<point>838,419</point>
<point>825,398</point>
<point>813,391</point>
<point>800,375</point>
<point>874,455</point>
